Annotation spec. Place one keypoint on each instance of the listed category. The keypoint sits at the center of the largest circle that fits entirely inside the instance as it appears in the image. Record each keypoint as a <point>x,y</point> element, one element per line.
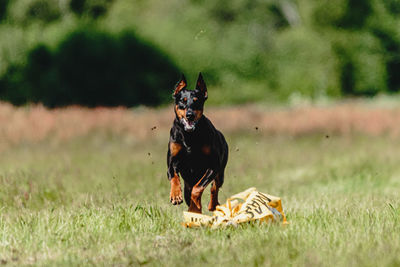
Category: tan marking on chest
<point>174,148</point>
<point>206,150</point>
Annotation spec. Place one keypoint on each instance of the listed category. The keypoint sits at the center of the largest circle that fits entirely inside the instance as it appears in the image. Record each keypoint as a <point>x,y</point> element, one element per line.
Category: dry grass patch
<point>36,123</point>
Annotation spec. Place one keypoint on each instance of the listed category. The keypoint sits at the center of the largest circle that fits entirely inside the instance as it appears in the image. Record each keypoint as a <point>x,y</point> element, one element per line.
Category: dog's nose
<point>190,115</point>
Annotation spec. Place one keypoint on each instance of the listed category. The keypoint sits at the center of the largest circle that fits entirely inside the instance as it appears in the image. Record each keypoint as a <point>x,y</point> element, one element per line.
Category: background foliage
<point>119,52</point>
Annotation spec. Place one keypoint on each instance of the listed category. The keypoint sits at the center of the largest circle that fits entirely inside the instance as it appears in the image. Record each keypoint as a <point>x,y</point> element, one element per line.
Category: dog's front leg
<point>175,195</point>
<point>198,189</point>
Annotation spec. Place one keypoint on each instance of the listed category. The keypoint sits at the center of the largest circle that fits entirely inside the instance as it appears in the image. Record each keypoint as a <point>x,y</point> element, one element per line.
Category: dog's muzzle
<point>189,126</point>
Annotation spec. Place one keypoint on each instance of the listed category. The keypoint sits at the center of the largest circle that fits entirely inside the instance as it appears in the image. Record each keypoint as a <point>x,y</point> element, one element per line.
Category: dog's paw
<point>194,208</point>
<point>175,197</point>
<point>212,206</point>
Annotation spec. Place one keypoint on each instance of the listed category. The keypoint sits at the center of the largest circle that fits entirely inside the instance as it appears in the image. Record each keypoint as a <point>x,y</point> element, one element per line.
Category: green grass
<point>103,200</point>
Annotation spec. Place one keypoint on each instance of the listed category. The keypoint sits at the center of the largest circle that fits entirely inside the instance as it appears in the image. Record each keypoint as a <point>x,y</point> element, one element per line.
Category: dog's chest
<point>193,159</point>
<point>193,153</point>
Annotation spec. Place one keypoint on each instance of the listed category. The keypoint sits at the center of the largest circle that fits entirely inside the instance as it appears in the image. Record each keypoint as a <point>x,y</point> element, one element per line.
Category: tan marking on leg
<point>195,201</point>
<point>213,197</point>
<point>197,192</point>
<point>175,195</point>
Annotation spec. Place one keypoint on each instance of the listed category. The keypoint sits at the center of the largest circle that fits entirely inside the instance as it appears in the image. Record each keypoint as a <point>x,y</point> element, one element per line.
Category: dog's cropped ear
<point>201,86</point>
<point>180,85</point>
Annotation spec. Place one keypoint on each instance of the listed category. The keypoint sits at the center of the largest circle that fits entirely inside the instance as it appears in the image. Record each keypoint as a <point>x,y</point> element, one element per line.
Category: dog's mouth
<point>188,125</point>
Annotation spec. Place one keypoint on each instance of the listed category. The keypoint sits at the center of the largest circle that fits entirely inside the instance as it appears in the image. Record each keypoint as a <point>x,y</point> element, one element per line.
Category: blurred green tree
<point>91,8</point>
<point>26,12</point>
<point>3,8</point>
<point>92,68</point>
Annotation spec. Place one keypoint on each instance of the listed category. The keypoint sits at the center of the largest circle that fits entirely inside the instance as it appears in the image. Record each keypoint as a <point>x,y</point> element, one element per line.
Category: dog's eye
<point>195,99</point>
<point>185,99</point>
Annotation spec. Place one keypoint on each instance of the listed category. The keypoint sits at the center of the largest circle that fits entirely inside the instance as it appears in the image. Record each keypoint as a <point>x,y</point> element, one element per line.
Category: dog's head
<point>189,104</point>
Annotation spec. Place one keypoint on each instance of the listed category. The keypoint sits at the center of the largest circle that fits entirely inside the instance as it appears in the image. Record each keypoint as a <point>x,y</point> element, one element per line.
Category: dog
<point>196,149</point>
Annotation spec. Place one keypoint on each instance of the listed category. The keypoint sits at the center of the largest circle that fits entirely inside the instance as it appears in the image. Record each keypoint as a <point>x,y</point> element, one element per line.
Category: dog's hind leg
<point>214,192</point>
<point>198,189</point>
<point>187,193</point>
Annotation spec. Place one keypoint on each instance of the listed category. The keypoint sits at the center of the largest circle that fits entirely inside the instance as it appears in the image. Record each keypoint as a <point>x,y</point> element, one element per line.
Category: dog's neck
<point>189,138</point>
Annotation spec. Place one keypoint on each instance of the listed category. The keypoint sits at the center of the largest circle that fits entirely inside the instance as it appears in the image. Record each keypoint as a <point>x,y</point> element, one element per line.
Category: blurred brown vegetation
<point>37,123</point>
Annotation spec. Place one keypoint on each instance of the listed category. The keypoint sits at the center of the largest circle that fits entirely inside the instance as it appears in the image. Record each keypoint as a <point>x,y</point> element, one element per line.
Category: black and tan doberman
<point>196,150</point>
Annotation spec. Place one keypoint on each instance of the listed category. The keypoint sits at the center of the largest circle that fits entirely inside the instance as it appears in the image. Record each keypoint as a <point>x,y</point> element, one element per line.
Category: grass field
<point>99,196</point>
